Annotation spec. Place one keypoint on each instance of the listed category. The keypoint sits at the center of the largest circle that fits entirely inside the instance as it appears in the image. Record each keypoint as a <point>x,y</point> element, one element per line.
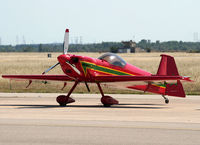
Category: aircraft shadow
<point>142,104</point>
<point>133,106</point>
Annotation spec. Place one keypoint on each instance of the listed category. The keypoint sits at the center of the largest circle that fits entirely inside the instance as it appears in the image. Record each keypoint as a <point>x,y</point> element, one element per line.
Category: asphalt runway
<point>31,118</point>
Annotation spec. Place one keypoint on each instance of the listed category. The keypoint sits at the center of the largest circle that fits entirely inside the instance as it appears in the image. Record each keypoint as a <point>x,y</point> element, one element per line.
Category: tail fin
<point>168,67</point>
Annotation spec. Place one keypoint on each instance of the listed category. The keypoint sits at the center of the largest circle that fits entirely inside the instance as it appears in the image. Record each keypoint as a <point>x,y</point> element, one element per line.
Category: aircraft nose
<point>63,58</point>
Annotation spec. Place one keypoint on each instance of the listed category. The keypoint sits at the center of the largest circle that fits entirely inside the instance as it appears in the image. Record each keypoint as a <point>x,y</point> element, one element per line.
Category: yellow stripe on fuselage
<point>105,68</point>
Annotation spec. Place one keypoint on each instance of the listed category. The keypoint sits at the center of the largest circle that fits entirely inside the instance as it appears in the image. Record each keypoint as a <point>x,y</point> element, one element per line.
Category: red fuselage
<point>85,68</point>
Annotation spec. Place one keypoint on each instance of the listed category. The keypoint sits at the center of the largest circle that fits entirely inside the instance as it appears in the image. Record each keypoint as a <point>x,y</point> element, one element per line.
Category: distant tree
<point>113,49</point>
<point>168,46</point>
<point>40,47</point>
<point>28,49</point>
<point>157,42</point>
<point>142,44</point>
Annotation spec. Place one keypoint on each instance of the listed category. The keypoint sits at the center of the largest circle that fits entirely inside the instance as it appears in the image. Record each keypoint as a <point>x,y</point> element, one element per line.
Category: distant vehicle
<point>111,68</point>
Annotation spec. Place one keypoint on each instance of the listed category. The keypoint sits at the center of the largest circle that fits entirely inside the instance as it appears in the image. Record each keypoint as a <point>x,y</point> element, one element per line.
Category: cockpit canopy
<point>113,59</point>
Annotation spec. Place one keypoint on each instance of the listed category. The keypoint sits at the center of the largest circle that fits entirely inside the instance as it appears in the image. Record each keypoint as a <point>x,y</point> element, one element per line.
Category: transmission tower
<point>81,39</point>
<point>72,42</point>
<point>195,36</point>
<point>17,40</point>
<point>24,40</point>
<point>76,40</point>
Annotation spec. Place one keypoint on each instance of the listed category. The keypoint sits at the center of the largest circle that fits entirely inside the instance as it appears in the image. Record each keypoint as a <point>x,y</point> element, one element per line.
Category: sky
<point>44,21</point>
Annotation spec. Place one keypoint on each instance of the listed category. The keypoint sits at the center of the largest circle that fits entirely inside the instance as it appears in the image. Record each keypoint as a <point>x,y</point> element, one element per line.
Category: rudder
<point>167,66</point>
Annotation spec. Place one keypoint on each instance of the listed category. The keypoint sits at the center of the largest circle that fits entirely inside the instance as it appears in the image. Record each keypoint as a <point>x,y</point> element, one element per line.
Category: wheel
<point>166,101</point>
<point>107,101</point>
<point>62,100</point>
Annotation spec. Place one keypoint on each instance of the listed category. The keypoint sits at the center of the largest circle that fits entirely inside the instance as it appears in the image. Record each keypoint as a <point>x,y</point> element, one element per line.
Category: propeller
<point>50,68</point>
<point>66,42</point>
<point>65,49</point>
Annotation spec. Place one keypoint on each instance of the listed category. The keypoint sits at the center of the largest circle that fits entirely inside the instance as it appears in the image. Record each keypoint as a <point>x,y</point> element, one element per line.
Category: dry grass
<point>35,63</point>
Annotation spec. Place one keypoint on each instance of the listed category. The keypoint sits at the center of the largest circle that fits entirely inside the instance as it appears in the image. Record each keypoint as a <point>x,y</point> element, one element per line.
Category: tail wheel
<point>166,101</point>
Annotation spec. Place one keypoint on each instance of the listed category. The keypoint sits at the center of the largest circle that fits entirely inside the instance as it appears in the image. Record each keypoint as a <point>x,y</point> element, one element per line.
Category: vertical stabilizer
<point>167,66</point>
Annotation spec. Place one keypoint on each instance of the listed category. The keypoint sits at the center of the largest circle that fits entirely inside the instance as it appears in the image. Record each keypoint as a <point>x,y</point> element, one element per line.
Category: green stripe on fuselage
<point>159,85</point>
<point>86,65</point>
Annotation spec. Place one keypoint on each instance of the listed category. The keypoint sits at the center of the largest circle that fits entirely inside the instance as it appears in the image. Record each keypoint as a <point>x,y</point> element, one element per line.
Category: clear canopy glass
<point>113,59</point>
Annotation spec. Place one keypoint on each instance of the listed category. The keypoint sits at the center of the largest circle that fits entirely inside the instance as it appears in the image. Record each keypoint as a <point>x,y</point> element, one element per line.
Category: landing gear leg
<point>166,99</point>
<point>107,101</point>
<point>63,100</point>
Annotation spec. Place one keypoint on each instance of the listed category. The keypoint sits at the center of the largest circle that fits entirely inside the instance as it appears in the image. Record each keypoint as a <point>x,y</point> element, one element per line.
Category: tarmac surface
<point>33,118</point>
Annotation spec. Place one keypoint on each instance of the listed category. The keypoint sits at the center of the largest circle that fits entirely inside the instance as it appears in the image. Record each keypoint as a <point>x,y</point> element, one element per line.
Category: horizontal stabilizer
<point>149,88</point>
<point>170,89</point>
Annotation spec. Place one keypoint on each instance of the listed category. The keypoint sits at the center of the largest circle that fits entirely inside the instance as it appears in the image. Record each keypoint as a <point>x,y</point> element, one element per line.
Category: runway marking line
<point>131,127</point>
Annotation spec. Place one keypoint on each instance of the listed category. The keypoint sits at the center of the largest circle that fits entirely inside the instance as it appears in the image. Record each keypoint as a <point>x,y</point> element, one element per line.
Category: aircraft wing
<point>138,78</point>
<point>40,77</point>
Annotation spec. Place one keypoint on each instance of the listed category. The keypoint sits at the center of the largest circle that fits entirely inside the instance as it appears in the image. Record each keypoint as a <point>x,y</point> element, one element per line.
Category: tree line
<point>169,46</point>
<point>147,45</point>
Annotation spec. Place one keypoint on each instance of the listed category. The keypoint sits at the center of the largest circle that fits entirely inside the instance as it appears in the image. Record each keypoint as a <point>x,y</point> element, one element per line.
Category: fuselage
<point>84,68</point>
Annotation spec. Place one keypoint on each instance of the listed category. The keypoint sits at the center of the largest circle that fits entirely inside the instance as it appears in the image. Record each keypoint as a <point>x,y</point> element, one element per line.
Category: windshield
<point>113,59</point>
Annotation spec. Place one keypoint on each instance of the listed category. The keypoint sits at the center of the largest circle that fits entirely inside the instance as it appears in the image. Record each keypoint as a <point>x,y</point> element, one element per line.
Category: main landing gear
<point>166,99</point>
<point>64,100</point>
<point>107,101</point>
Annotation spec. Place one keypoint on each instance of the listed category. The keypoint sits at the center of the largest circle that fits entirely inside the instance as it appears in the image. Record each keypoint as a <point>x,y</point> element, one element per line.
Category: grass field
<point>35,63</point>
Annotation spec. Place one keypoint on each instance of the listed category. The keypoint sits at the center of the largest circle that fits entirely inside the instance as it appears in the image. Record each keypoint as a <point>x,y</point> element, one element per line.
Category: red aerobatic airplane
<point>111,68</point>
